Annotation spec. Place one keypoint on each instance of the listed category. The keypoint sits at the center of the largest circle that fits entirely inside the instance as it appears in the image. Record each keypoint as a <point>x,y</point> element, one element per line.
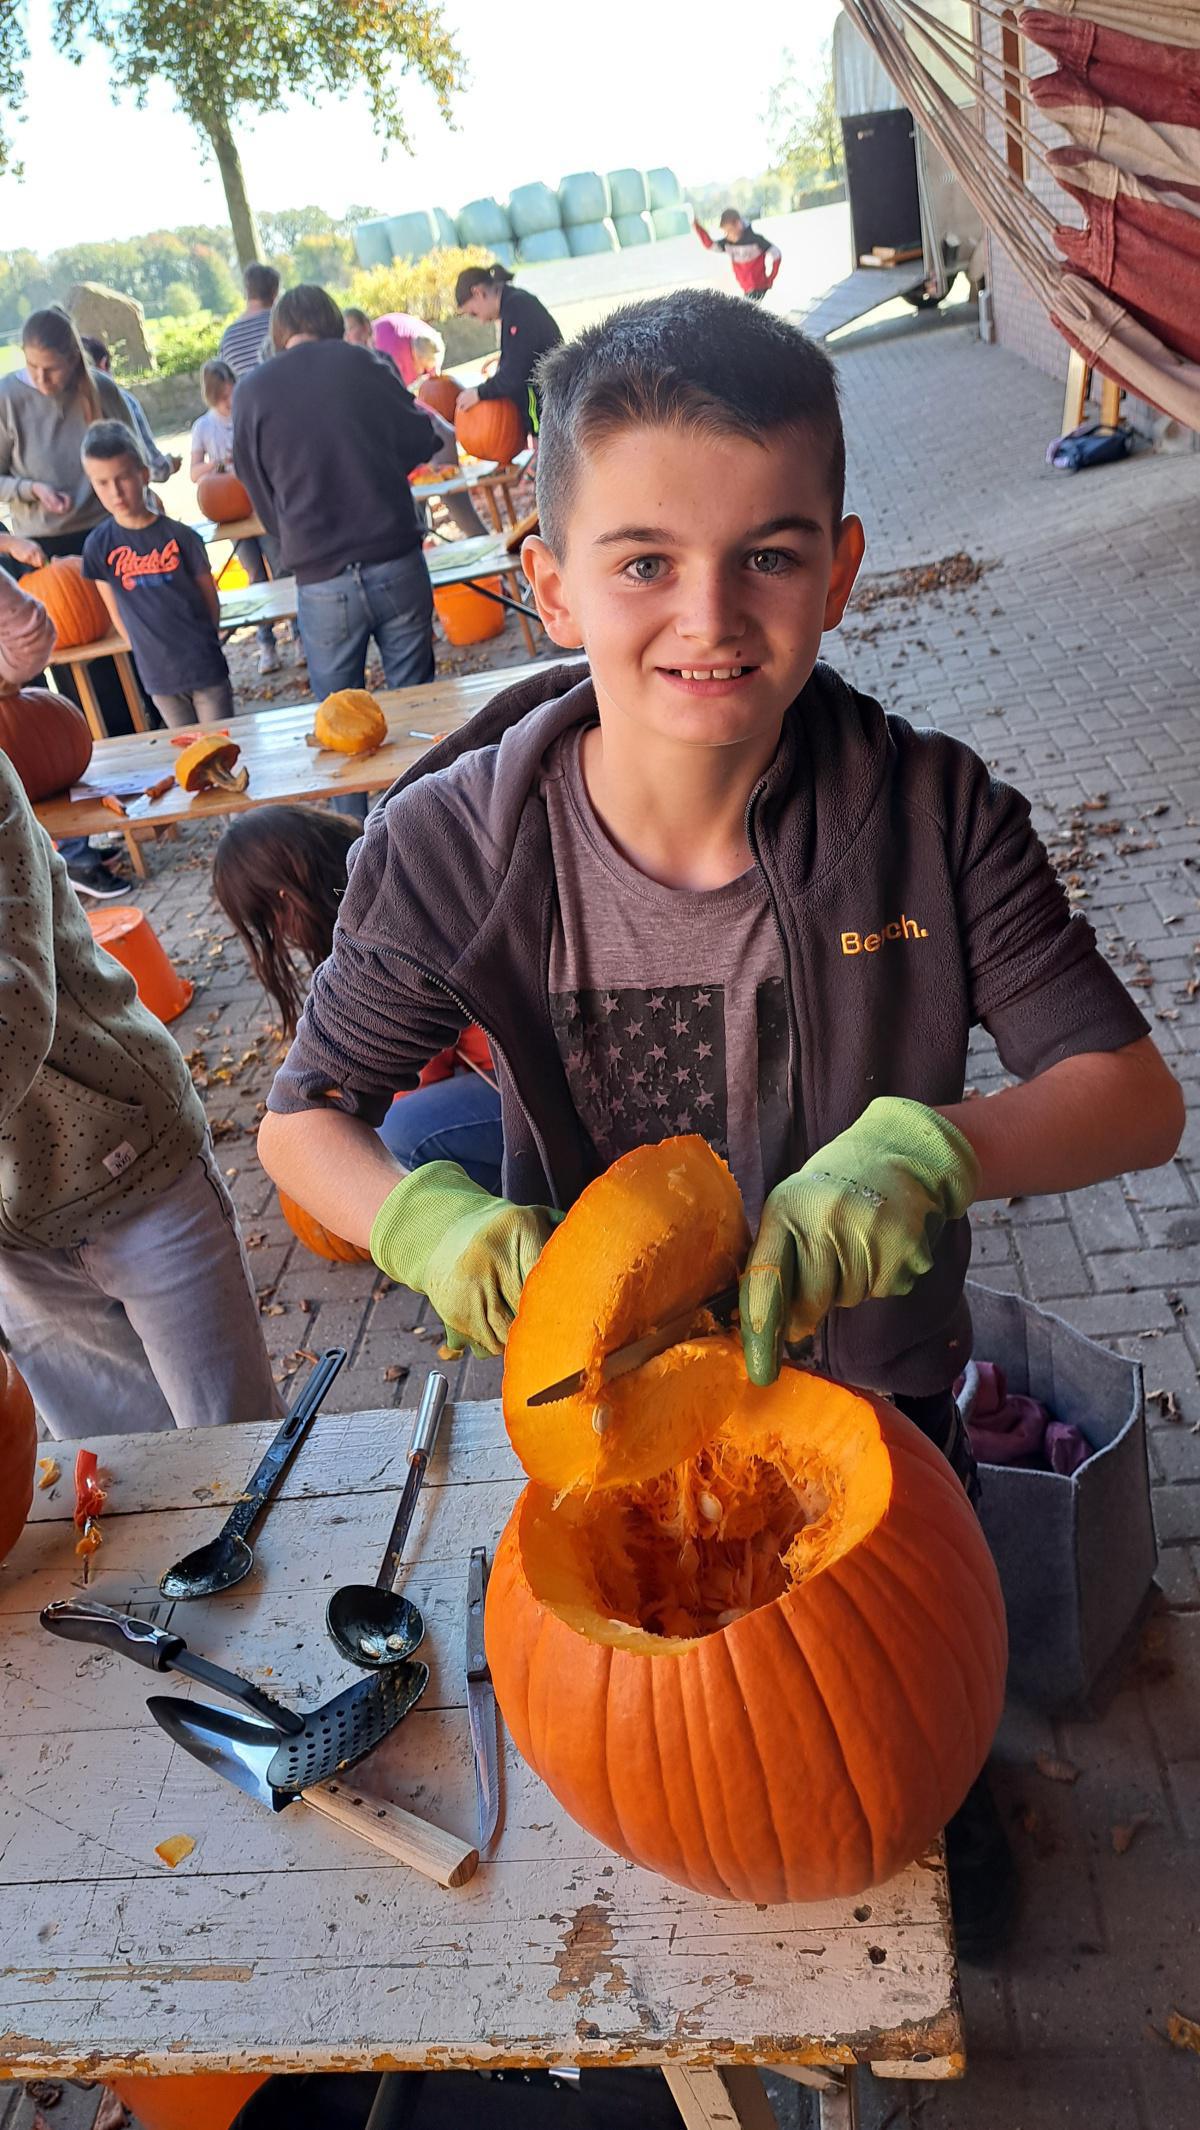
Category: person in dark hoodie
<point>527,332</point>
<point>709,886</point>
<point>324,442</point>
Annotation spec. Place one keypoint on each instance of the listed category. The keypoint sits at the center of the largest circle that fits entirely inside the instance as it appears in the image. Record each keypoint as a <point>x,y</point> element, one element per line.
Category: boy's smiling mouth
<point>708,679</point>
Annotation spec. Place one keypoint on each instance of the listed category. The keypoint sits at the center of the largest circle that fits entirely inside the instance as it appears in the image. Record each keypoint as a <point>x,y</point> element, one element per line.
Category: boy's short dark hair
<point>306,309</point>
<point>95,349</point>
<point>260,282</point>
<point>112,440</point>
<point>730,215</point>
<point>692,360</point>
<point>353,316</point>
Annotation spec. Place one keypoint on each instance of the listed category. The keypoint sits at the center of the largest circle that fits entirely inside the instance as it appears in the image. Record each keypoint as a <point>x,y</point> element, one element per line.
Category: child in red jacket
<point>755,262</point>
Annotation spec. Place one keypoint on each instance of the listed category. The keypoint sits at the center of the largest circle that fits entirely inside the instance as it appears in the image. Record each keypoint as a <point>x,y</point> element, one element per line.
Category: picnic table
<point>282,1942</point>
<point>274,750</point>
<point>496,482</point>
<point>451,562</point>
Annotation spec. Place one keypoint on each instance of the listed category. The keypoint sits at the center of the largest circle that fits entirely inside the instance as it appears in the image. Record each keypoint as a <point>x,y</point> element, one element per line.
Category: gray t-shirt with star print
<point>668,1003</point>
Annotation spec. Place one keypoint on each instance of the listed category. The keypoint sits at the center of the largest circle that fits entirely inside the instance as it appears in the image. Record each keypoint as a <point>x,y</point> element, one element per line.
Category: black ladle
<point>367,1621</point>
<point>227,1558</point>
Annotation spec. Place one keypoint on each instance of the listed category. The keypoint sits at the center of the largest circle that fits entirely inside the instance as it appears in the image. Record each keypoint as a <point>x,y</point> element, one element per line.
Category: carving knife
<point>481,1705</point>
<point>624,1359</point>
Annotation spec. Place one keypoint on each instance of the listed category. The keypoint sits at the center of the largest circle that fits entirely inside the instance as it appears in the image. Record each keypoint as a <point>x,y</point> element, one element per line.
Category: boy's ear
<point>847,561</point>
<point>542,568</point>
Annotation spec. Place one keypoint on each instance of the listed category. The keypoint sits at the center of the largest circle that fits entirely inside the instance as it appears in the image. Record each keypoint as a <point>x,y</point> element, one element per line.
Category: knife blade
<point>77,1620</point>
<point>481,1705</point>
<point>241,1749</point>
<point>624,1359</point>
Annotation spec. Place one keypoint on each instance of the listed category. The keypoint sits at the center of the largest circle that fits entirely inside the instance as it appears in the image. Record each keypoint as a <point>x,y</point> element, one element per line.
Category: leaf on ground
<point>395,1374</point>
<point>1055,1770</point>
<point>1095,805</point>
<point>1183,2033</point>
<point>1167,1403</point>
<point>1124,1835</point>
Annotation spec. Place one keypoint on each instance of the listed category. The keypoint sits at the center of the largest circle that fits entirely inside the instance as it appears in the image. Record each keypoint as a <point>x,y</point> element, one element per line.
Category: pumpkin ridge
<point>913,1590</point>
<point>765,1809</point>
<point>687,1681</point>
<point>949,1533</point>
<point>874,1572</point>
<point>914,1708</point>
<point>790,1618</point>
<point>662,1676</point>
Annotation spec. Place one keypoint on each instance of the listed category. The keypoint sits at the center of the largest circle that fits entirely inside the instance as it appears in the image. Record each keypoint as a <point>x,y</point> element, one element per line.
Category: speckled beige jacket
<point>98,1113</point>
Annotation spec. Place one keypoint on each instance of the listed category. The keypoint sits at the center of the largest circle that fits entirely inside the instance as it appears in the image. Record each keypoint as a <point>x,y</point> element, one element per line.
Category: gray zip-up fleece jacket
<point>98,1113</point>
<point>912,898</point>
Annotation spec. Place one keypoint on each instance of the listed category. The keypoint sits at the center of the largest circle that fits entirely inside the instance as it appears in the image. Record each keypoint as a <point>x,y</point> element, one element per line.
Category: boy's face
<point>120,485</point>
<point>359,336</point>
<point>222,400</point>
<point>732,227</point>
<point>699,574</point>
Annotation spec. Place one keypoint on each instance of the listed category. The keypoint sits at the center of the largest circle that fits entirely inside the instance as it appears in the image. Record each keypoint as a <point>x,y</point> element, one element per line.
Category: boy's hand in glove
<point>859,1220</point>
<point>447,1237</point>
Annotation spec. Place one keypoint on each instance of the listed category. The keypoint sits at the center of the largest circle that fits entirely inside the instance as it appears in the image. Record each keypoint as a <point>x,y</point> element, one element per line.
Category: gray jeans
<point>197,706</point>
<point>153,1324</point>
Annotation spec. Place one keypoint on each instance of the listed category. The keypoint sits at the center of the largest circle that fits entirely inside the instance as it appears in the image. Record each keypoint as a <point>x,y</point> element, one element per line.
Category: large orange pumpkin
<point>71,600</point>
<point>321,1241</point>
<point>492,429</point>
<point>18,1453</point>
<point>751,1639</point>
<point>222,498</point>
<point>46,739</point>
<point>441,393</point>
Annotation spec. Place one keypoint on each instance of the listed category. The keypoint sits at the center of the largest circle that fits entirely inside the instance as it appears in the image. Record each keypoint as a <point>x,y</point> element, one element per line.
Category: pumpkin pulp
<point>793,1479</point>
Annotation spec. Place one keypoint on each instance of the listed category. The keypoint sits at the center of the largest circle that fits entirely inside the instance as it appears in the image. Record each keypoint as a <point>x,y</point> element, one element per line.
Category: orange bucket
<point>465,617</point>
<point>208,2100</point>
<point>131,939</point>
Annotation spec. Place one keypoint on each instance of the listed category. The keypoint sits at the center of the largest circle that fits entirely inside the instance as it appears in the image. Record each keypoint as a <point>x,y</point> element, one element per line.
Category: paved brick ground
<point>1073,665</point>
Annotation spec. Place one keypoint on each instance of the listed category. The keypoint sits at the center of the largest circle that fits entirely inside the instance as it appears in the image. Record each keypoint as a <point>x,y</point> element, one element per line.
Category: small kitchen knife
<point>481,1704</point>
<point>625,1359</point>
<point>152,1646</point>
<point>243,1750</point>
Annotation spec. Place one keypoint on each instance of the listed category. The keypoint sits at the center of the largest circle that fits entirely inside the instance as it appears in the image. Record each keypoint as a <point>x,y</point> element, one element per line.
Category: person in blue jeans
<point>278,874</point>
<point>324,442</point>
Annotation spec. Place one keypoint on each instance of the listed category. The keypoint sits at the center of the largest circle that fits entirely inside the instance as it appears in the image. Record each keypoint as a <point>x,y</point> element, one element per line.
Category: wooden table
<point>281,765</point>
<point>282,1943</point>
<point>82,655</point>
<point>455,562</point>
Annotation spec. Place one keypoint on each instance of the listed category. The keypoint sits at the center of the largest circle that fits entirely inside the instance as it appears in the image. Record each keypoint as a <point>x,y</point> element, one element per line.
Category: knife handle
<point>441,1856</point>
<point>80,1621</point>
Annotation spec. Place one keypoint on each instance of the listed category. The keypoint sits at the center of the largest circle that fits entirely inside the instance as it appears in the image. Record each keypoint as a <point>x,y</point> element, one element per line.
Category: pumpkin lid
<point>658,1233</point>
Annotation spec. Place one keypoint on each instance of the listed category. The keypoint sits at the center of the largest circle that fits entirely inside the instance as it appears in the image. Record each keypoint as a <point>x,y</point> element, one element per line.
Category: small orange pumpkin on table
<point>350,722</point>
<point>492,429</point>
<point>751,1639</point>
<point>222,497</point>
<point>206,764</point>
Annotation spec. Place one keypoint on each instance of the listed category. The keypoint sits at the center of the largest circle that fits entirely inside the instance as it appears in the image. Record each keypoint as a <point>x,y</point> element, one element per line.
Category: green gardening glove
<point>859,1220</point>
<point>447,1237</point>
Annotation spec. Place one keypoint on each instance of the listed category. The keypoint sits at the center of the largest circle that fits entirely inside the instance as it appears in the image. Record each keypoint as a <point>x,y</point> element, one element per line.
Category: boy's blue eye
<point>770,561</point>
<point>644,569</point>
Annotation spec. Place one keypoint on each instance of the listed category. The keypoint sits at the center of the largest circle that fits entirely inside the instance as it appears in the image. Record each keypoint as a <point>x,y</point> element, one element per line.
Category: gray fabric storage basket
<point>1075,1555</point>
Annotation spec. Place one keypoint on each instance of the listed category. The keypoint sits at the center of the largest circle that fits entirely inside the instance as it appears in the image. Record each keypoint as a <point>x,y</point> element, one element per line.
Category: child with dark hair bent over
<point>702,884</point>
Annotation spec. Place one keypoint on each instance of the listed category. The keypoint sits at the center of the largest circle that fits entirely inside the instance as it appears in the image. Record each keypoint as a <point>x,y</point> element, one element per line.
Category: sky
<point>622,82</point>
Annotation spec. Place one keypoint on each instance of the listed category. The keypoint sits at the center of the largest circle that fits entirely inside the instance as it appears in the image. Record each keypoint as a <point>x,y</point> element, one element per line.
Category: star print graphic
<point>644,1064</point>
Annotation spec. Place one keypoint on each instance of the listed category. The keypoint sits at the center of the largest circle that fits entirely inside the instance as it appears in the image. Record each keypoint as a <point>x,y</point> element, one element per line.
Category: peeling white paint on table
<point>283,1943</point>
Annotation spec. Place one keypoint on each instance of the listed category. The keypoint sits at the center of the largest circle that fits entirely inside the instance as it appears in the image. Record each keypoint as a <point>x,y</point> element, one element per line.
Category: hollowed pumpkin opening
<point>791,1481</point>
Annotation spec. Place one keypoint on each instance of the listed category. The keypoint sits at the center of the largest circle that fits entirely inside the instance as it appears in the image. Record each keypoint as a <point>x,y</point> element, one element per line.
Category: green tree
<point>328,259</point>
<point>803,126</point>
<point>214,284</point>
<point>283,227</point>
<point>180,300</point>
<point>233,55</point>
<point>25,285</point>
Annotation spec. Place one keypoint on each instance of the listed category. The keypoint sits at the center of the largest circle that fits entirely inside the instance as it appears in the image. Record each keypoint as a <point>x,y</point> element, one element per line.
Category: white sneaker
<point>268,658</point>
